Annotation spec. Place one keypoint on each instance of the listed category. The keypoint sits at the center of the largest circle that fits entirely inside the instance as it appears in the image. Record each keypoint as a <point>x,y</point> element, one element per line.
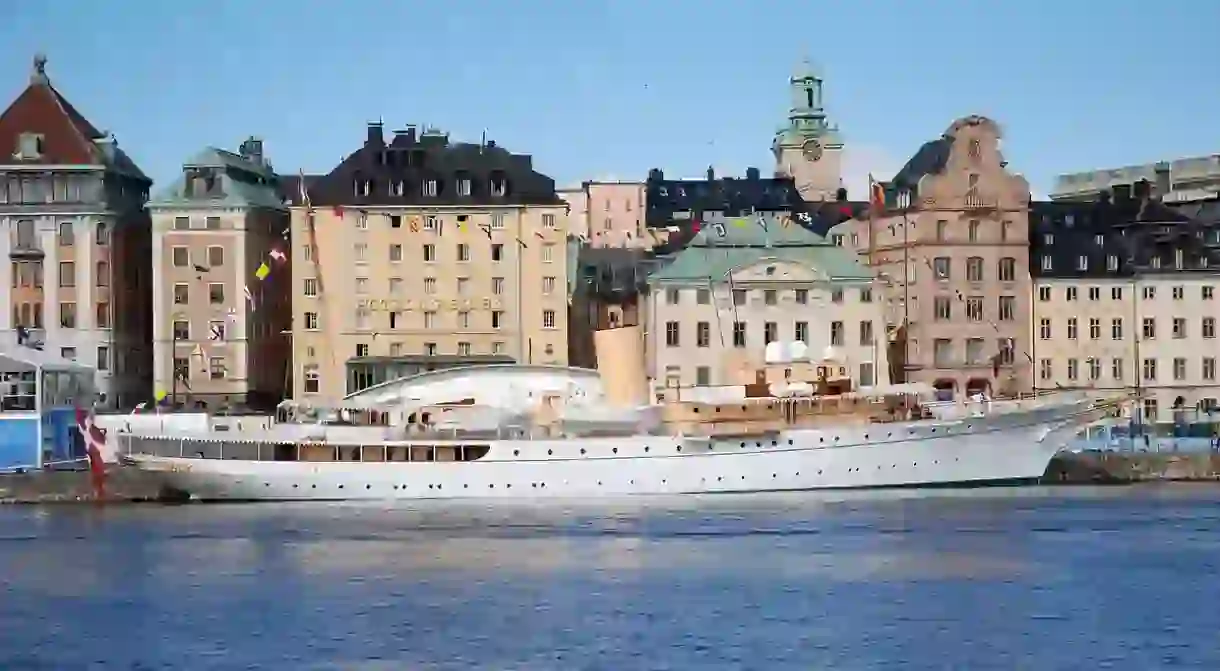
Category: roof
<point>711,256</point>
<point>67,137</point>
<point>243,183</point>
<point>412,161</point>
<point>729,195</point>
<point>36,359</point>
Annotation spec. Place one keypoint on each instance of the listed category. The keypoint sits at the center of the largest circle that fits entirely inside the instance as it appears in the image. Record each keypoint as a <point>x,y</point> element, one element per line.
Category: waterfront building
<point>949,245</point>
<point>606,213</point>
<point>222,279</point>
<point>78,240</point>
<point>744,282</point>
<point>1125,298</point>
<point>419,253</point>
<point>1179,180</point>
<point>809,148</point>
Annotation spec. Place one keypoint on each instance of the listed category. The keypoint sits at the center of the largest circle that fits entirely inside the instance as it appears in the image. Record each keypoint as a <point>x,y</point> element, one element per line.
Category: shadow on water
<point>1021,578</point>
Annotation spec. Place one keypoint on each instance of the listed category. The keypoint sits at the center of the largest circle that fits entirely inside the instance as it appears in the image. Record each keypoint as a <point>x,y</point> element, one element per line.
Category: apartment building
<point>608,214</point>
<point>222,220</point>
<point>950,247</point>
<point>418,253</point>
<point>744,282</point>
<point>1125,298</point>
<point>78,241</point>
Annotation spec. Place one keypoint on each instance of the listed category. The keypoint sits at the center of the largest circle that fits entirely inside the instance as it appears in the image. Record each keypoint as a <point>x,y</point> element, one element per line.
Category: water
<point>1038,579</point>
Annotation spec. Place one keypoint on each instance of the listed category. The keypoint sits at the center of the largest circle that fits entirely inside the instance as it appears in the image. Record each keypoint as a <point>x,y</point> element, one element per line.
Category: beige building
<point>721,300</point>
<point>608,214</point>
<point>951,249</point>
<point>401,270</point>
<point>221,220</point>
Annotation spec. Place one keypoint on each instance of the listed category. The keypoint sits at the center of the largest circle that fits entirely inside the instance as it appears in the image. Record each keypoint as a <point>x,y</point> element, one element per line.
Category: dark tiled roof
<point>1143,237</point>
<point>68,137</point>
<point>613,274</point>
<point>733,197</point>
<point>412,161</point>
<point>929,160</point>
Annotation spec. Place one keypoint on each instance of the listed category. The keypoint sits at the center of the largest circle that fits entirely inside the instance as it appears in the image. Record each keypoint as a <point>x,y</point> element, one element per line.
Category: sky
<point>607,89</point>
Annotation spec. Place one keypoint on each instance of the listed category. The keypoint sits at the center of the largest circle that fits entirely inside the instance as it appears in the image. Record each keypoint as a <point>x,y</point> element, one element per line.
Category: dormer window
<point>1048,239</point>
<point>1112,263</point>
<point>1155,261</point>
<point>431,188</point>
<point>1082,263</point>
<point>398,188</point>
<point>499,184</point>
<point>29,146</point>
<point>362,187</point>
<point>1178,259</point>
<point>1099,240</point>
<point>463,184</point>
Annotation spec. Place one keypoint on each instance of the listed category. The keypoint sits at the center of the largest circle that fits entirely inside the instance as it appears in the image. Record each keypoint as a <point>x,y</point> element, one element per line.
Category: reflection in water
<point>1033,578</point>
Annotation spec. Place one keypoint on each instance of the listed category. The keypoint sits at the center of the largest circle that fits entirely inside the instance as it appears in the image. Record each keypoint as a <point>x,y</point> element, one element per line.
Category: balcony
<point>23,242</point>
<point>979,200</point>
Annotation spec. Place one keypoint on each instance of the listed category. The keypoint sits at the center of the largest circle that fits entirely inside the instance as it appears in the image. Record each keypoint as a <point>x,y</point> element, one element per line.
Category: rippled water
<point>1038,579</point>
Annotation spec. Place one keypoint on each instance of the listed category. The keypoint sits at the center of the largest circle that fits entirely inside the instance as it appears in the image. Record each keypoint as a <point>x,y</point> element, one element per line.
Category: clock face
<point>812,150</point>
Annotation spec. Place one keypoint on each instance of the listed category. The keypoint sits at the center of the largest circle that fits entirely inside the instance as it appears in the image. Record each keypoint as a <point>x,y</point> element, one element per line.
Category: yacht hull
<point>967,452</point>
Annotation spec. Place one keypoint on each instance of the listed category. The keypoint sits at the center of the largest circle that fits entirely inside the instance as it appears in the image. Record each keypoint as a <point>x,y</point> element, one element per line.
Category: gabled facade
<point>739,286</point>
<point>78,241</point>
<point>950,247</point>
<point>1125,298</point>
<point>214,227</point>
<point>417,254</point>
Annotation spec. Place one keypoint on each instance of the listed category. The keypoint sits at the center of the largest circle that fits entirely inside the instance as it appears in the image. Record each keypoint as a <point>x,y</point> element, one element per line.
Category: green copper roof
<point>240,185</point>
<point>745,243</point>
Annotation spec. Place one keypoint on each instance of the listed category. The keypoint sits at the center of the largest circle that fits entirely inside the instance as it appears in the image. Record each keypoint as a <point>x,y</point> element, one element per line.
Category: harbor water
<point>1036,578</point>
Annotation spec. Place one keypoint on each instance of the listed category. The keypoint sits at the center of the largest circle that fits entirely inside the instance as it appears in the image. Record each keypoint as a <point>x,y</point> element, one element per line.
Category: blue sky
<point>597,88</point>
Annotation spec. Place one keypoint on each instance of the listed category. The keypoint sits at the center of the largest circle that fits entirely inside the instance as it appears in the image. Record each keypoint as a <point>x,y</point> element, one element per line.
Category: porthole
<point>508,486</point>
<point>743,477</point>
<point>774,443</point>
<point>789,441</point>
<point>491,486</point>
<point>582,450</point>
<point>340,486</point>
<point>550,452</point>
<point>368,486</point>
<point>534,485</point>
<point>645,448</point>
<point>295,486</point>
<point>614,450</point>
<point>465,486</point>
<point>266,484</point>
<point>819,471</point>
<point>719,478</point>
<point>542,485</point>
<point>866,436</point>
<point>758,444</point>
<point>679,449</point>
<point>631,482</point>
<point>773,476</point>
<point>516,453</point>
<point>429,486</point>
<point>743,444</point>
<point>313,486</point>
<point>822,440</point>
<point>599,483</point>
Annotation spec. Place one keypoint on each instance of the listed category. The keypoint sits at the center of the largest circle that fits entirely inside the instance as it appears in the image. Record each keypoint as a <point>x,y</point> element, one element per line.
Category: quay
<point>123,485</point>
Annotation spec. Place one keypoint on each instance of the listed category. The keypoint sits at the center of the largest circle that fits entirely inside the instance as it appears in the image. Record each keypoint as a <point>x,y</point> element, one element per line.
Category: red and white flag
<point>95,439</point>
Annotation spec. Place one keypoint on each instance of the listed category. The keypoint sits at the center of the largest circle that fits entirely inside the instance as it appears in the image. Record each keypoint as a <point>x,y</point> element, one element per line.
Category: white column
<point>7,226</point>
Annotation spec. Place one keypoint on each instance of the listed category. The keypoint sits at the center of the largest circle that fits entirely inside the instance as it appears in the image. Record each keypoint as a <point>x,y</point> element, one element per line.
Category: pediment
<point>778,270</point>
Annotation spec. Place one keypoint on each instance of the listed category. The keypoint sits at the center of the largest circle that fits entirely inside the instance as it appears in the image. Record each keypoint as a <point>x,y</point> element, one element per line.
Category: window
<point>361,251</point>
<point>942,230</point>
<point>182,257</point>
<point>866,333</point>
<point>1149,370</point>
<point>429,319</point>
<point>673,296</point>
<point>182,223</point>
<point>1116,328</point>
<point>497,319</point>
<point>216,256</point>
<point>182,368</point>
<point>1149,293</point>
<point>1179,368</point>
<point>1094,329</point>
<point>548,253</point>
<point>1045,371</point>
<point>1116,369</point>
<point>942,352</point>
<point>1179,293</point>
<point>1073,369</point>
<point>102,274</point>
<point>212,223</point>
<point>464,319</point>
<point>497,252</point>
<point>67,315</point>
<point>739,297</point>
<point>1044,329</point>
<point>972,231</point>
<point>769,298</point>
<point>1082,263</point>
<point>1149,328</point>
<point>311,321</point>
<point>430,188</point>
<point>396,253</point>
<point>770,332</point>
<point>1094,369</point>
<point>67,235</point>
<point>182,329</point>
<point>216,293</point>
<point>1094,293</point>
<point>1116,293</point>
<point>1071,294</point>
<point>497,285</point>
<point>1007,269</point>
<point>1179,327</point>
<point>67,274</point>
<point>310,287</point>
<point>463,252</point>
<point>1208,292</point>
<point>1044,294</point>
<point>1048,264</point>
<point>182,294</point>
<point>1209,327</point>
<point>548,319</point>
<point>672,334</point>
<point>703,376</point>
<point>1072,331</point>
<point>216,367</point>
<point>103,314</point>
<point>941,268</point>
<point>1112,263</point>
<point>548,221</point>
<point>943,307</point>
<point>548,286</point>
<point>802,296</point>
<point>836,295</point>
<point>739,334</point>
<point>974,308</point>
<point>463,349</point>
<point>1209,368</point>
<point>974,269</point>
<point>429,253</point>
<point>703,296</point>
<point>313,382</point>
<point>68,353</point>
<point>1008,308</point>
<point>837,333</point>
<point>497,221</point>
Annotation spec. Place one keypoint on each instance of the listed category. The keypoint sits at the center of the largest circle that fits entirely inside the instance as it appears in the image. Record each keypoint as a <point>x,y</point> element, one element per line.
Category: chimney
<point>107,143</point>
<point>1163,179</point>
<point>841,195</point>
<point>252,150</point>
<point>711,174</point>
<point>375,139</point>
<point>1141,190</point>
<point>1122,193</point>
<point>752,174</point>
<point>655,175</point>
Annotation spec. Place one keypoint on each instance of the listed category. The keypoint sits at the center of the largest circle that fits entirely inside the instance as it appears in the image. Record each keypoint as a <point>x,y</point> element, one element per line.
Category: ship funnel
<point>620,361</point>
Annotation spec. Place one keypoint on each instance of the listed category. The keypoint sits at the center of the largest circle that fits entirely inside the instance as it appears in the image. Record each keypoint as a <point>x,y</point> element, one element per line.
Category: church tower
<point>809,149</point>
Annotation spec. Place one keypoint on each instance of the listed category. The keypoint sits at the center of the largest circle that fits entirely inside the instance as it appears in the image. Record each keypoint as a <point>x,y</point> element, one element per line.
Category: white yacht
<point>544,431</point>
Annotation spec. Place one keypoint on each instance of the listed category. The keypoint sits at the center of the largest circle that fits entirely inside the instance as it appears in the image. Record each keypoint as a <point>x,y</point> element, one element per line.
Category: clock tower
<point>809,149</point>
